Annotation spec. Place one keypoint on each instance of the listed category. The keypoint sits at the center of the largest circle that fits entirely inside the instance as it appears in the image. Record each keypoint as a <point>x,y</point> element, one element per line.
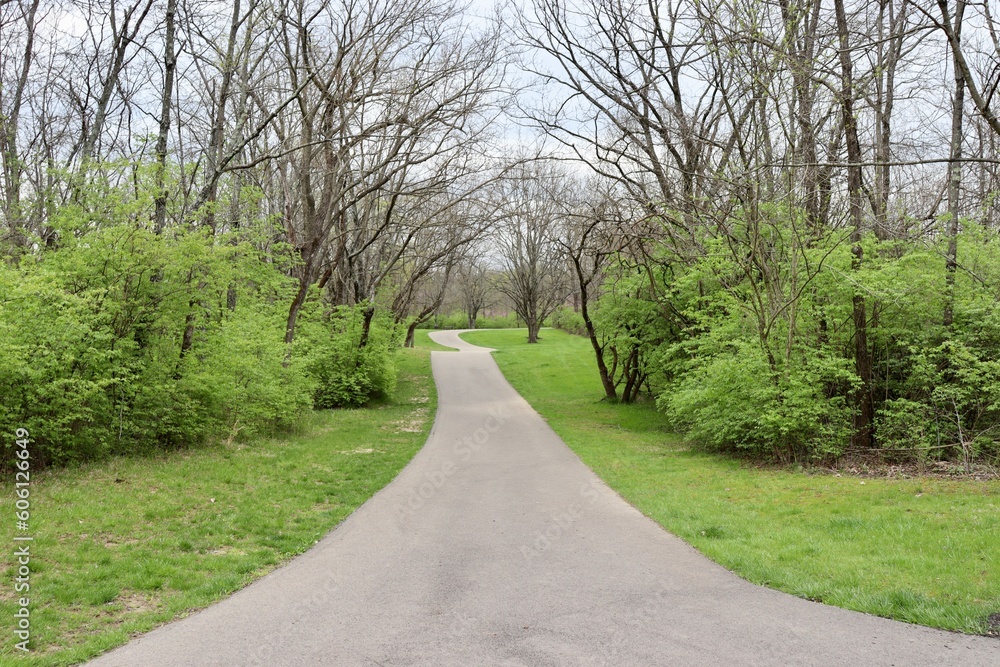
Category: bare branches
<point>535,278</point>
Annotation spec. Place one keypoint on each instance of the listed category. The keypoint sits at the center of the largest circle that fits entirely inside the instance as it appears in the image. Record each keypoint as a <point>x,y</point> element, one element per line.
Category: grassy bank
<point>124,545</point>
<point>922,550</point>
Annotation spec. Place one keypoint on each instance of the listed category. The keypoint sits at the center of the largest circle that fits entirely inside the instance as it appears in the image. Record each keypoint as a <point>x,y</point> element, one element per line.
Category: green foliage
<point>952,396</point>
<point>454,320</point>
<point>508,321</point>
<point>568,320</point>
<point>56,367</point>
<point>246,375</point>
<point>736,402</point>
<point>459,320</point>
<point>749,346</point>
<point>119,340</point>
<point>349,368</point>
<point>634,333</point>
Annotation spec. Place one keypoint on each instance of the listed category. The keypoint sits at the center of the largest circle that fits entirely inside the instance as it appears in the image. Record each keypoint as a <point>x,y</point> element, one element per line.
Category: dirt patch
<point>410,426</point>
<point>415,424</point>
<point>113,542</point>
<point>133,603</point>
<point>227,551</point>
<point>993,625</point>
<point>873,467</point>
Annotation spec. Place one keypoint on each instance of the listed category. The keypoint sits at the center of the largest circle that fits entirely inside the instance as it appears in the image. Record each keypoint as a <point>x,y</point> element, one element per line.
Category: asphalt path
<point>496,545</point>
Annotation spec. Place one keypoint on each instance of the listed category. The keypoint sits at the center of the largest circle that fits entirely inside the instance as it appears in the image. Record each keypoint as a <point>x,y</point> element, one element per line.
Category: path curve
<point>496,545</point>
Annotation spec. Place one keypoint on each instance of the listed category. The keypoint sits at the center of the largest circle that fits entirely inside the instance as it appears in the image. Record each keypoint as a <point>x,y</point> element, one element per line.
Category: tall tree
<point>166,95</point>
<point>534,278</point>
<point>10,113</point>
<point>954,165</point>
<point>864,411</point>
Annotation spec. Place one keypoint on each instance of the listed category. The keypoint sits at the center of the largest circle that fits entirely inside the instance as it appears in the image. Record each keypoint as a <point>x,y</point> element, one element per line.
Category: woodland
<point>775,219</point>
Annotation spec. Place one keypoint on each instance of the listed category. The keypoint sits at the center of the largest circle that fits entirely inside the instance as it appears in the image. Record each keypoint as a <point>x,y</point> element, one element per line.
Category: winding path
<point>497,546</point>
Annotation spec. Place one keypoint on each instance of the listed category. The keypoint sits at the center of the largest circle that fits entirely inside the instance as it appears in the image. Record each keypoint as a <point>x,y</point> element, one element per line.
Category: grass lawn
<point>124,545</point>
<point>920,550</point>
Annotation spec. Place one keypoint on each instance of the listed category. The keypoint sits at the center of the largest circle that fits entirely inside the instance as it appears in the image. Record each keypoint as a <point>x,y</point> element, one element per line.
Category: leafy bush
<point>635,337</point>
<point>438,321</point>
<point>734,401</point>
<point>120,340</point>
<point>908,425</point>
<point>58,369</point>
<point>247,376</point>
<point>508,321</point>
<point>458,320</point>
<point>951,401</point>
<point>347,373</point>
<point>751,346</point>
<point>568,320</point>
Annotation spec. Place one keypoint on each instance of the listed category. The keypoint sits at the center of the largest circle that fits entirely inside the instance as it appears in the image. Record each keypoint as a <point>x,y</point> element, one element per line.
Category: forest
<point>776,219</point>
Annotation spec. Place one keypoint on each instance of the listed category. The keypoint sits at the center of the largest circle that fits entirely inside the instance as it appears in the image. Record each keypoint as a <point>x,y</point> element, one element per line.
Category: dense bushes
<point>118,340</point>
<point>121,340</point>
<point>750,347</point>
<point>568,320</point>
<point>346,372</point>
<point>458,320</point>
<point>731,401</point>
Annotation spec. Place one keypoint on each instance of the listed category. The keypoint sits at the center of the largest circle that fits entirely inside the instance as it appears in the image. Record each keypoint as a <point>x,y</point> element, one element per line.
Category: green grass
<point>922,550</point>
<point>124,545</point>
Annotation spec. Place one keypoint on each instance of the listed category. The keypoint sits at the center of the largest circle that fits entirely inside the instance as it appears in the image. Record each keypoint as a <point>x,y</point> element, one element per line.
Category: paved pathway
<point>497,546</point>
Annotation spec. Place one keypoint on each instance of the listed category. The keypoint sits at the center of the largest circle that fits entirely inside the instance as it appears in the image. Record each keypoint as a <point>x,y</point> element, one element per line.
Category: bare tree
<point>475,287</point>
<point>10,112</point>
<point>422,268</point>
<point>534,278</point>
<point>394,97</point>
<point>166,95</point>
<point>631,94</point>
<point>125,22</point>
<point>593,234</point>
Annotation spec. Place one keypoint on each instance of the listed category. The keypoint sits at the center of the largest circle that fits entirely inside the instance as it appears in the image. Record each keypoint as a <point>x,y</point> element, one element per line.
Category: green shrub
<point>246,375</point>
<point>459,320</point>
<point>734,401</point>
<point>57,369</point>
<point>568,320</point>
<point>508,321</point>
<point>903,424</point>
<point>346,373</point>
<point>952,396</point>
<point>91,332</point>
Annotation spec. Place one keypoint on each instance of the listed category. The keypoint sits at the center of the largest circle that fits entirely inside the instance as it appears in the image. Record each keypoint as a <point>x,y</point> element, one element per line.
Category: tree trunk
<point>188,339</point>
<point>8,137</point>
<point>631,373</point>
<point>602,368</point>
<point>533,326</point>
<point>954,173</point>
<point>609,385</point>
<point>169,65</point>
<point>366,327</point>
<point>863,416</point>
<point>411,334</point>
<point>889,48</point>
<point>294,308</point>
<point>217,136</point>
